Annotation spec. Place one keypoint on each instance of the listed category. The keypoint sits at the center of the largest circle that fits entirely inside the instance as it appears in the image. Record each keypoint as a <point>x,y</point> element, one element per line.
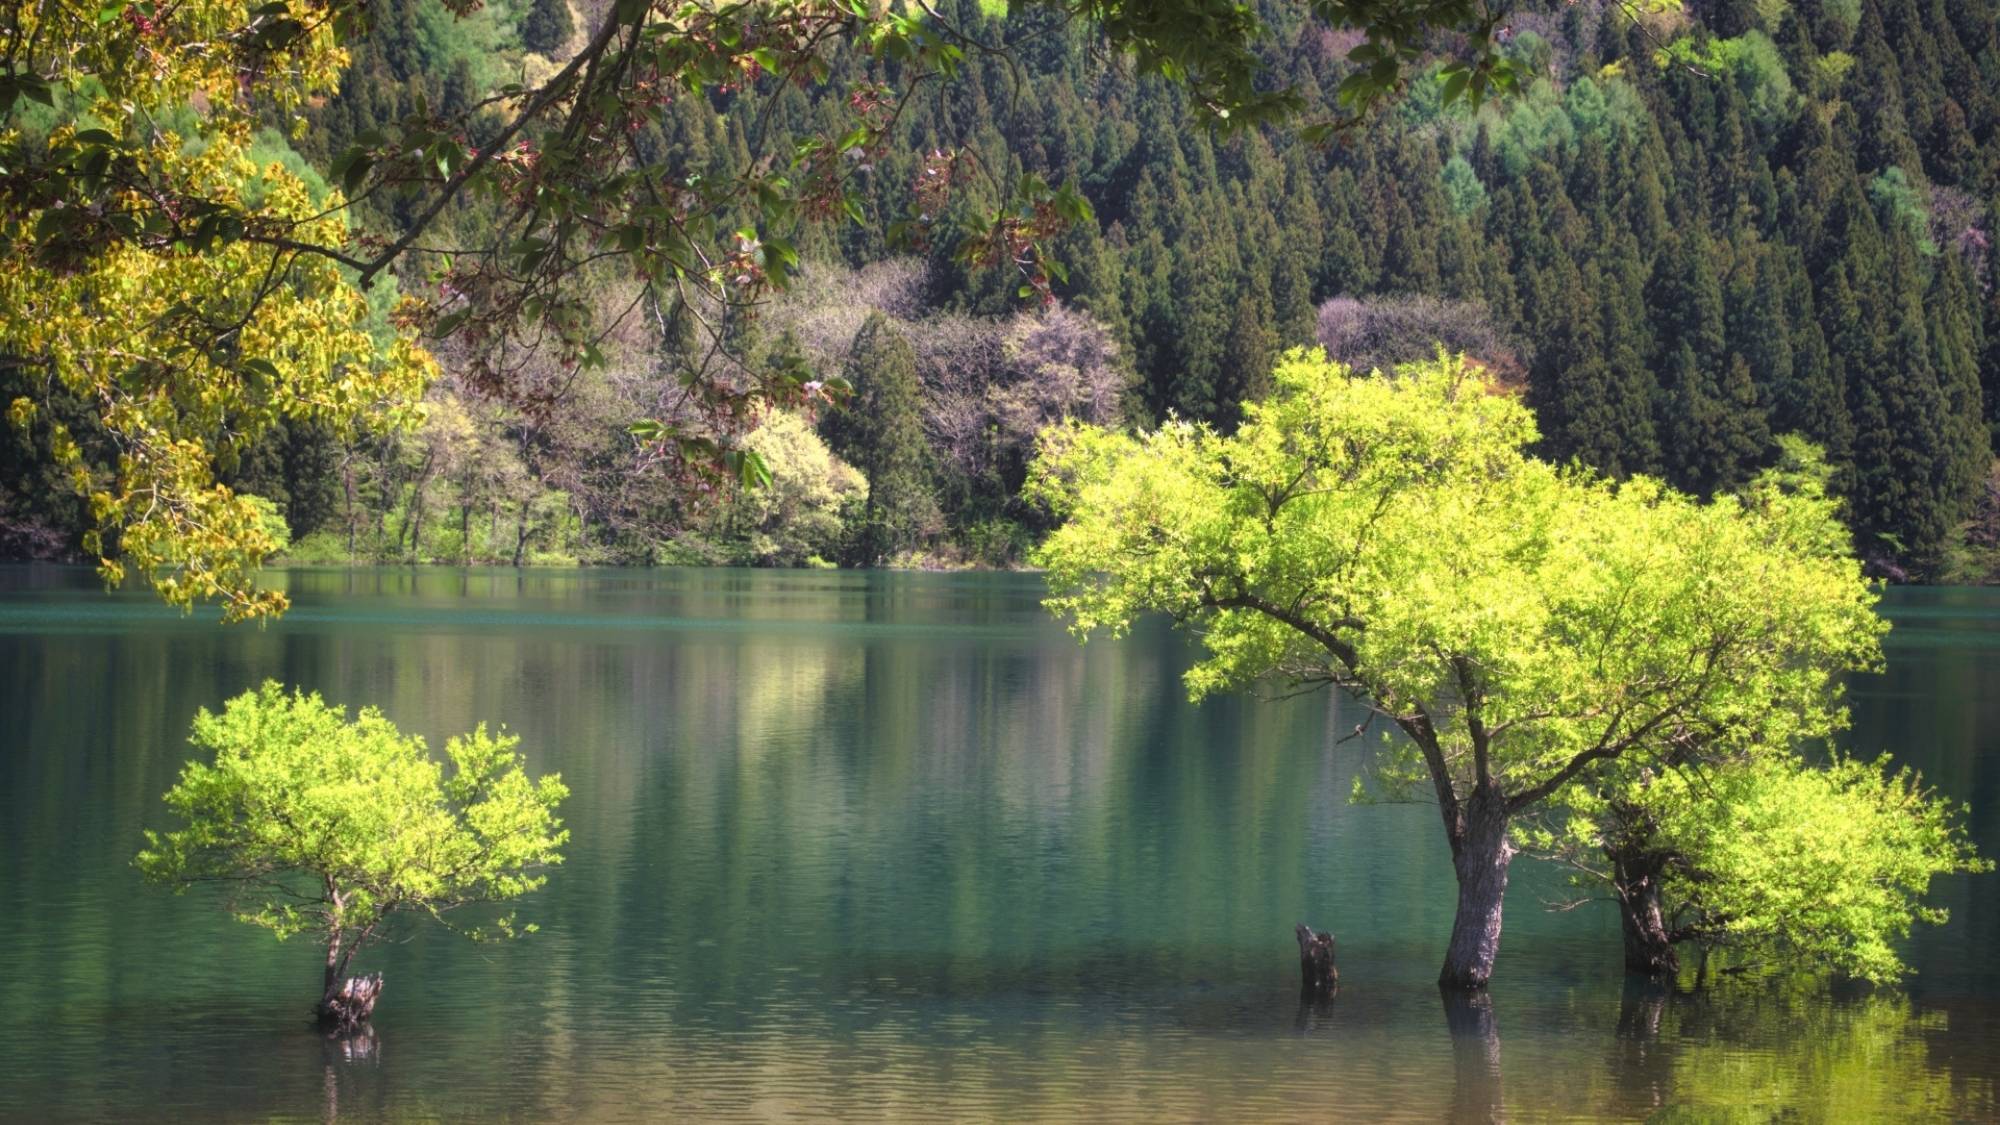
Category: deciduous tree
<point>1774,860</point>
<point>318,824</point>
<point>1524,626</point>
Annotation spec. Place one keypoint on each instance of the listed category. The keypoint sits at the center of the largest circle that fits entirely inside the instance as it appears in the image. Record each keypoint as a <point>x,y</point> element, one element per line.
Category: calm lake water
<point>890,846</point>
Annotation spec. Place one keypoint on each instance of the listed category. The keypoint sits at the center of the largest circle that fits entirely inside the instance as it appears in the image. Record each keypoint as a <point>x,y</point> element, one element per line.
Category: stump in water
<point>350,1004</point>
<point>1320,980</point>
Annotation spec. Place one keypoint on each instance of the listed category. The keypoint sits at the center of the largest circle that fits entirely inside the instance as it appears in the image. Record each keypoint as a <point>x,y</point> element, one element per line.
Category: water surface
<point>888,846</point>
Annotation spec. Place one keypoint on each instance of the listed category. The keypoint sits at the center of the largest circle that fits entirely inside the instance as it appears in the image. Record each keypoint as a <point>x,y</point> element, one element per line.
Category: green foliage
<point>1398,516</point>
<point>272,522</point>
<point>1903,206</point>
<point>269,147</point>
<point>1531,126</point>
<point>1781,862</point>
<point>809,506</point>
<point>319,824</point>
<point>1750,62</point>
<point>1462,187</point>
<point>1824,865</point>
<point>1830,72</point>
<point>1611,112</point>
<point>880,430</point>
<point>1842,18</point>
<point>479,39</point>
<point>1525,627</point>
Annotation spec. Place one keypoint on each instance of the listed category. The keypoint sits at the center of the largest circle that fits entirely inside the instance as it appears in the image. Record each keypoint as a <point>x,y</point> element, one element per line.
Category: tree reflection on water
<point>1751,1052</point>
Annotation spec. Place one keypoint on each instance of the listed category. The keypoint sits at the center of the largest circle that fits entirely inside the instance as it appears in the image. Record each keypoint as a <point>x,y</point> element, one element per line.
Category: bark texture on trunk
<point>1319,980</point>
<point>1480,860</point>
<point>349,1003</point>
<point>1649,945</point>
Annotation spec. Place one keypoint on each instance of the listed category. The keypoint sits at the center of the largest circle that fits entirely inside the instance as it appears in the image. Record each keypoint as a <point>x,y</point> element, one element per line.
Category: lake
<point>884,845</point>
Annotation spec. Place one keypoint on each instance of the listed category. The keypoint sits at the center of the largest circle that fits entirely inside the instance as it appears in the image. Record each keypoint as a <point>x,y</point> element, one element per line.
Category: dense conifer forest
<point>1682,237</point>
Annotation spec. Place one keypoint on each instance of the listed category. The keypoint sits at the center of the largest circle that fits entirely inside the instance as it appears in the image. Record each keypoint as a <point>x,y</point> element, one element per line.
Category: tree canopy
<point>1522,624</point>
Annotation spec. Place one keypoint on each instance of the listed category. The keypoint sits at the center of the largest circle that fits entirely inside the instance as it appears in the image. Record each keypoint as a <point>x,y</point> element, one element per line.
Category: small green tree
<point>321,825</point>
<point>1526,627</point>
<point>1772,859</point>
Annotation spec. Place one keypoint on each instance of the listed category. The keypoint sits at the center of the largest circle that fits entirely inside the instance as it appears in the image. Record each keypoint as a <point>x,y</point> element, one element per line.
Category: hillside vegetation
<point>1681,238</point>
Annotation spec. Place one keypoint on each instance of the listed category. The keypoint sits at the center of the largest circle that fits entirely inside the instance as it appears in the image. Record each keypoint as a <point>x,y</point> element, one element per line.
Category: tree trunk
<point>347,486</point>
<point>1481,860</point>
<point>417,521</point>
<point>1319,979</point>
<point>1649,946</point>
<point>416,508</point>
<point>348,1003</point>
<point>465,520</point>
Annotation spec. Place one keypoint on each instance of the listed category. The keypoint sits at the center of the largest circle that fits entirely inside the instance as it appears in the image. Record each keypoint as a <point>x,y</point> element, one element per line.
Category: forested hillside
<point>1682,237</point>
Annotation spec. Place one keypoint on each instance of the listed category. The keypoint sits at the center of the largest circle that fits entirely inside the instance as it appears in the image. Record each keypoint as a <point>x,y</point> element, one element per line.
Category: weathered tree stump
<point>1319,979</point>
<point>351,1002</point>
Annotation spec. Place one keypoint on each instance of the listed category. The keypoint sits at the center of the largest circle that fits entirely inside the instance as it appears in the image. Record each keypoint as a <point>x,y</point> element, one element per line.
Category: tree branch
<point>550,91</point>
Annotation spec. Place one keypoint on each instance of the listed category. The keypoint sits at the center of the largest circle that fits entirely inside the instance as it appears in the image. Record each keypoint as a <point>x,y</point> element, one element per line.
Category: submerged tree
<point>1523,625</point>
<point>321,825</point>
<point>1771,859</point>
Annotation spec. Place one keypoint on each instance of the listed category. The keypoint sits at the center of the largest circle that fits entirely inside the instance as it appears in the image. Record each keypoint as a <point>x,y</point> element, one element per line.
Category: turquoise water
<point>888,846</point>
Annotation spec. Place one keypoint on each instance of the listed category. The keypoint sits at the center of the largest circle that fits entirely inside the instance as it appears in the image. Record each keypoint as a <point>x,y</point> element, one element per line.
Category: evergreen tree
<point>880,431</point>
<point>547,27</point>
<point>1609,219</point>
<point>1247,354</point>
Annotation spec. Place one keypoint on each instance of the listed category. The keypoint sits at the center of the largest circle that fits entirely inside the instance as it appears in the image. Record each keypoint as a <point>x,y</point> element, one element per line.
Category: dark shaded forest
<point>1681,238</point>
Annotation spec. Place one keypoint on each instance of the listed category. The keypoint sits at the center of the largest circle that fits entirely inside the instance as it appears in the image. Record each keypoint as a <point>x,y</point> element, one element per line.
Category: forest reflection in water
<point>891,846</point>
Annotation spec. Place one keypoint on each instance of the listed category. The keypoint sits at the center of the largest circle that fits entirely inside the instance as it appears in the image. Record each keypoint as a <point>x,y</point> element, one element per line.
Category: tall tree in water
<point>1524,627</point>
<point>1772,860</point>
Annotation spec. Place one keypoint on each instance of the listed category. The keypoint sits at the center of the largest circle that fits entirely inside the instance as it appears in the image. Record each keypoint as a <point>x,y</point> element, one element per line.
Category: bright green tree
<point>1773,859</point>
<point>1524,626</point>
<point>320,825</point>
